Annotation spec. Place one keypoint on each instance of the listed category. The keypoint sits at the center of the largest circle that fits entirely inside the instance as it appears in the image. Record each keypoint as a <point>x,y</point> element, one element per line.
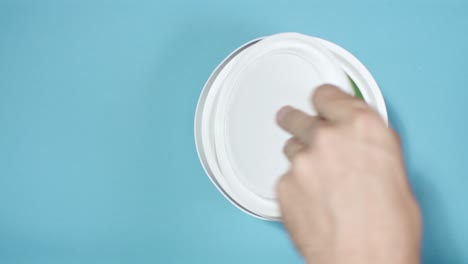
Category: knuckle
<point>290,146</point>
<point>303,122</point>
<point>323,136</point>
<point>300,163</point>
<point>365,120</point>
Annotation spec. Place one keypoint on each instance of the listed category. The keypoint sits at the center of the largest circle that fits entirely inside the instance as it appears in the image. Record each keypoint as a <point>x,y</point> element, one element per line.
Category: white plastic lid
<point>277,71</point>
<point>238,139</point>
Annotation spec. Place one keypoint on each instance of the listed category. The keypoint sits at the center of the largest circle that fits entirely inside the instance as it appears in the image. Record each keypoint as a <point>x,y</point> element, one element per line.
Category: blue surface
<point>97,159</point>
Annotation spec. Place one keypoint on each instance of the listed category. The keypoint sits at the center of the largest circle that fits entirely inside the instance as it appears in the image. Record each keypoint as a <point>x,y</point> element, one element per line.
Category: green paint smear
<point>357,92</point>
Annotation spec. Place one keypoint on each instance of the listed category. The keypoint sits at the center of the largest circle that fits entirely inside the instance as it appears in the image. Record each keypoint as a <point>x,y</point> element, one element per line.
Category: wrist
<point>370,256</point>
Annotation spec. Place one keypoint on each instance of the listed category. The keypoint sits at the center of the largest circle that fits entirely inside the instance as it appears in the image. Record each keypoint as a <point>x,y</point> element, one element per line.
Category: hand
<point>346,198</point>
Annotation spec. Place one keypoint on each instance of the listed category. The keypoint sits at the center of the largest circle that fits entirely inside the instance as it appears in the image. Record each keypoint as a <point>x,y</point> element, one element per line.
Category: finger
<point>297,123</point>
<point>292,147</point>
<point>290,198</point>
<point>285,189</point>
<point>334,105</point>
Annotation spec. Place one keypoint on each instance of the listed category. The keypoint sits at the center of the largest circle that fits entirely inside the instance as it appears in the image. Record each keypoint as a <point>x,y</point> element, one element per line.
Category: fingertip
<point>332,103</point>
<point>323,90</point>
<point>282,113</point>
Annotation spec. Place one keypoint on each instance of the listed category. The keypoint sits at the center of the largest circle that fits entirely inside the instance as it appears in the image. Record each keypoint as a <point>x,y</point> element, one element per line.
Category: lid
<point>246,144</point>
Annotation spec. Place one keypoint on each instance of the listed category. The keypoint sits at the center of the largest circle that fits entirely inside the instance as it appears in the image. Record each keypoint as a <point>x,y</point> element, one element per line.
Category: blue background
<point>97,159</point>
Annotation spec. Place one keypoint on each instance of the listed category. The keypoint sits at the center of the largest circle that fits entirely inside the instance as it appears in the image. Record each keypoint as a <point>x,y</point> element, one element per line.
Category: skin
<point>346,197</point>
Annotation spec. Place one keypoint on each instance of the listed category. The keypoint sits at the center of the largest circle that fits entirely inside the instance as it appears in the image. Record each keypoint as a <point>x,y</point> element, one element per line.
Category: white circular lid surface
<point>277,71</point>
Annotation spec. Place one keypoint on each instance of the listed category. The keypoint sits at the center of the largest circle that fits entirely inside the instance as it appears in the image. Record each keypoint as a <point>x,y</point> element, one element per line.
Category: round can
<point>235,135</point>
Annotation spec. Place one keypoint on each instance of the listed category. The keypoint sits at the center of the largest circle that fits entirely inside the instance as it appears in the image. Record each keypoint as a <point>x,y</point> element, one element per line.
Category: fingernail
<point>282,114</point>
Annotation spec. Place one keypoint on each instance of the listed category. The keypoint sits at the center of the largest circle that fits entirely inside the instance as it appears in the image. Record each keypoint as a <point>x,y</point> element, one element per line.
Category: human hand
<point>346,198</point>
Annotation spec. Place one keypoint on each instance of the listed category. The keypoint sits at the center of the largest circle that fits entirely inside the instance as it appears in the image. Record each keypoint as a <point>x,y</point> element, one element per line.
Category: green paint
<point>357,92</point>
